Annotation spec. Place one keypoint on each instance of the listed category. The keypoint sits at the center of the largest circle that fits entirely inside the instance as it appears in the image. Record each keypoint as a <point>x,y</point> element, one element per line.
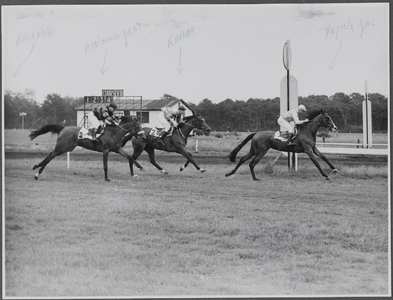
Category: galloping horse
<point>110,141</point>
<point>305,142</point>
<point>174,143</point>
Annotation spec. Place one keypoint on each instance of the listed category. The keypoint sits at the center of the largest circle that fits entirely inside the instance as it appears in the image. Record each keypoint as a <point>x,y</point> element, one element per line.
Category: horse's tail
<point>54,128</point>
<point>232,155</point>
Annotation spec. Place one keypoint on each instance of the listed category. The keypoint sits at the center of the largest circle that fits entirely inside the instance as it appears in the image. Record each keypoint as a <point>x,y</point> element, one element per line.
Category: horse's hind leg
<point>254,162</point>
<point>43,164</point>
<point>242,161</point>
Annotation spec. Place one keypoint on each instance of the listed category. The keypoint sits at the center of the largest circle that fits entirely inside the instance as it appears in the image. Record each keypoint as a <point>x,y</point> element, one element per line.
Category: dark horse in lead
<point>174,143</point>
<point>110,141</point>
<point>305,142</point>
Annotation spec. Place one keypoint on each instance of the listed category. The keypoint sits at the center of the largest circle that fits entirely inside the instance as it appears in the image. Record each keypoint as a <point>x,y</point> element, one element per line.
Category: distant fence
<point>358,150</point>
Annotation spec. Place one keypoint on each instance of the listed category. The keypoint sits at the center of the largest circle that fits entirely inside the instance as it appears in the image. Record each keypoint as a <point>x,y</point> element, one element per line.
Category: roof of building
<point>133,104</point>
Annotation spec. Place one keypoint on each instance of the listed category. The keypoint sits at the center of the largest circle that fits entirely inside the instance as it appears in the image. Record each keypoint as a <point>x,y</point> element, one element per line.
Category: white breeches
<point>165,122</point>
<point>94,121</point>
<point>286,126</point>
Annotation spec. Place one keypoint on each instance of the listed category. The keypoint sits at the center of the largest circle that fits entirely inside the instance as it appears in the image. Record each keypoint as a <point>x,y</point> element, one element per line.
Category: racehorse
<point>109,141</point>
<point>174,143</point>
<point>305,141</point>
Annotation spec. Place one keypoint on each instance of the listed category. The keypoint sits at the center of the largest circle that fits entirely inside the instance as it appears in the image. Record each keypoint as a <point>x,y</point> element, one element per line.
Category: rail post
<point>288,95</point>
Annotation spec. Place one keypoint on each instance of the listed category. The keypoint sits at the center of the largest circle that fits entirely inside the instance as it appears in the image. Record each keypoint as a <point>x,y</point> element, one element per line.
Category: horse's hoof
<point>256,179</point>
<point>35,177</point>
<point>228,174</point>
<point>181,169</point>
<point>35,167</point>
<point>327,178</point>
<point>164,172</point>
<point>202,170</point>
<point>142,169</point>
<point>107,179</point>
<point>336,171</point>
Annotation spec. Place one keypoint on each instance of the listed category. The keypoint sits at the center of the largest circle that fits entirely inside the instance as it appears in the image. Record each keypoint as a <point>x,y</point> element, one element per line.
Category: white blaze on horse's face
<point>332,126</point>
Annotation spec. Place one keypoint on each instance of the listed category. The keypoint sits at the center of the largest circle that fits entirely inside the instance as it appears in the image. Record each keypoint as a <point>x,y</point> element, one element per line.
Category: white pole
<point>196,145</point>
<point>68,160</point>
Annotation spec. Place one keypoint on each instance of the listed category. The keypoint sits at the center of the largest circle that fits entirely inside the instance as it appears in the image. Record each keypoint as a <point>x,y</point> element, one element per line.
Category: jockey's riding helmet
<point>181,107</point>
<point>302,107</point>
<point>113,105</point>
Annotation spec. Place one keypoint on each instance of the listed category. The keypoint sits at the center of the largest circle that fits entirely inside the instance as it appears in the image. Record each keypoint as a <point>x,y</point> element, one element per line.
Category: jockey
<point>100,116</point>
<point>170,118</point>
<point>289,119</point>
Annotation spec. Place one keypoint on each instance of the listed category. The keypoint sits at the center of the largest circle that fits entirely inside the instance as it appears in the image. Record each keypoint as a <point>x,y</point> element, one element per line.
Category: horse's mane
<point>186,119</point>
<point>127,119</point>
<point>310,114</point>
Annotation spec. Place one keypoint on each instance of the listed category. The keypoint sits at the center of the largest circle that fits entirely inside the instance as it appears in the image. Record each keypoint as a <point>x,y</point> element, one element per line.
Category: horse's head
<point>326,121</point>
<point>132,125</point>
<point>199,123</point>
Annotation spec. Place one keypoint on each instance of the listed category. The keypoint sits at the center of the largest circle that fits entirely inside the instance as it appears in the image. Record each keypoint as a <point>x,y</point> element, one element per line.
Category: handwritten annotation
<point>44,32</point>
<point>104,40</point>
<point>350,27</point>
<point>174,39</point>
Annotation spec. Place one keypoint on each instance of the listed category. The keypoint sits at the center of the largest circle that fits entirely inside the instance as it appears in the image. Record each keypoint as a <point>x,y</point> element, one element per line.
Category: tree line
<point>254,114</point>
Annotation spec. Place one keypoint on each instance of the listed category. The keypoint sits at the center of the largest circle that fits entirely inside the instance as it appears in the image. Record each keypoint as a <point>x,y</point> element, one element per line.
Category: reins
<point>122,128</point>
<point>181,132</point>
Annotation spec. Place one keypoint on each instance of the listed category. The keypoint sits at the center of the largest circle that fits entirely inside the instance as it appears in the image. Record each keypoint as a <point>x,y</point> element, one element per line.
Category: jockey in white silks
<point>170,118</point>
<point>289,119</point>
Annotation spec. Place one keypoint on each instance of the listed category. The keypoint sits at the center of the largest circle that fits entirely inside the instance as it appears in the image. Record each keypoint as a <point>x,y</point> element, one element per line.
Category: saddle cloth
<point>85,133</point>
<point>156,131</point>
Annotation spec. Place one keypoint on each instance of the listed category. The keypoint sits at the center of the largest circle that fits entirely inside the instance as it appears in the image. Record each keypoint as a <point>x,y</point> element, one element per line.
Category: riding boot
<point>290,137</point>
<point>161,137</point>
<point>93,133</point>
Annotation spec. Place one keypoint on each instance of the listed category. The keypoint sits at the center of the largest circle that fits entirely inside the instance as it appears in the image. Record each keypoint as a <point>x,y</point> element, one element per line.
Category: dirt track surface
<point>204,159</point>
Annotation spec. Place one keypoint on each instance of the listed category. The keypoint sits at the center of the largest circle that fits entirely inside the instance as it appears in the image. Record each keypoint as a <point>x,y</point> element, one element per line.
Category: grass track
<point>72,234</point>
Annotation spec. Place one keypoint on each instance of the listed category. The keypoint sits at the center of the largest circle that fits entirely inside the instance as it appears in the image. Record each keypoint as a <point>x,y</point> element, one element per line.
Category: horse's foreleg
<point>152,158</point>
<point>309,152</point>
<point>188,155</point>
<point>241,161</point>
<point>185,166</point>
<point>317,152</point>
<point>131,160</point>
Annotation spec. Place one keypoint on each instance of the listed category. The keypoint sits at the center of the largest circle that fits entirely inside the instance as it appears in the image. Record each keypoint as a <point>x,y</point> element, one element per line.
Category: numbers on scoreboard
<point>98,99</point>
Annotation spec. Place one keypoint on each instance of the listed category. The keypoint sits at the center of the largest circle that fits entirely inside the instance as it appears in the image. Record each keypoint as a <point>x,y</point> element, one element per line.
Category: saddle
<point>283,135</point>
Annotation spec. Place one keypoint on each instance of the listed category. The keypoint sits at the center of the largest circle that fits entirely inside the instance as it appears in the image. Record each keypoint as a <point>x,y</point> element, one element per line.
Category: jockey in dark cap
<point>101,116</point>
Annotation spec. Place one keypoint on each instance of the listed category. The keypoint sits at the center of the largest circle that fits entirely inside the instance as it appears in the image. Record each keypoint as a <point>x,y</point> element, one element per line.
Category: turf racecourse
<point>71,234</point>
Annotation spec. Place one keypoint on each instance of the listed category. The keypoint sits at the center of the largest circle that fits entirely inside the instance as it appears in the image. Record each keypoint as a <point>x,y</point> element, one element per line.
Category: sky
<point>195,52</point>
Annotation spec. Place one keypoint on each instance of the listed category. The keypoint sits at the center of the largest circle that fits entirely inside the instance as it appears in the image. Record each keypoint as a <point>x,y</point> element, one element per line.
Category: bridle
<point>133,121</point>
<point>193,116</point>
<point>330,126</point>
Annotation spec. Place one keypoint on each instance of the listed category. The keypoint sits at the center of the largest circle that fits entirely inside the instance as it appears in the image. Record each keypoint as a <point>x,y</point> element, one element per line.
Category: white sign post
<point>23,114</point>
<point>367,120</point>
<point>288,94</point>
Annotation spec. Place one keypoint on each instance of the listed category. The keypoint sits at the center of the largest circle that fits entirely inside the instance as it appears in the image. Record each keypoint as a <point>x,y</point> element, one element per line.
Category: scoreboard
<point>116,93</point>
<point>98,99</point>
